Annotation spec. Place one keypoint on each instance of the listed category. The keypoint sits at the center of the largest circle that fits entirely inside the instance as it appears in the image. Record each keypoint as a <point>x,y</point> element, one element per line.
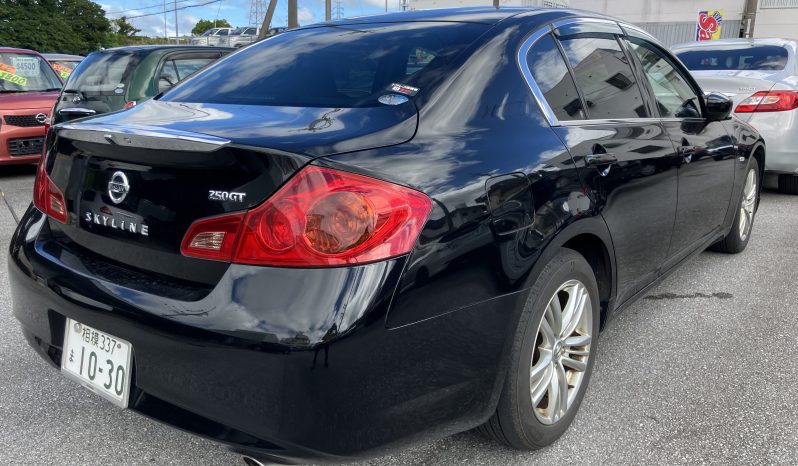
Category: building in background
<point>671,21</point>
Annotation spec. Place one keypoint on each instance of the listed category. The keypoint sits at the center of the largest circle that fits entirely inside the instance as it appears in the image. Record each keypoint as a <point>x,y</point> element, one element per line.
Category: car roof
<point>156,48</point>
<point>486,15</point>
<point>721,43</point>
<point>62,56</point>
<point>16,50</point>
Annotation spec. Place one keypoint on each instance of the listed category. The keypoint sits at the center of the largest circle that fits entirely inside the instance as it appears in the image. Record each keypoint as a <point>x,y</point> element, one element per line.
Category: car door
<point>705,150</point>
<point>623,154</point>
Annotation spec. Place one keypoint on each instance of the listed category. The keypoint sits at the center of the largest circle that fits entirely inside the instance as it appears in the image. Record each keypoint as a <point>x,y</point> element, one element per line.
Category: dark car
<point>63,64</point>
<point>359,234</point>
<point>122,77</point>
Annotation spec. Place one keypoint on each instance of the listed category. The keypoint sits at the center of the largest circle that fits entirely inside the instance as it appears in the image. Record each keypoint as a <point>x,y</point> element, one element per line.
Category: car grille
<point>22,120</point>
<point>25,146</point>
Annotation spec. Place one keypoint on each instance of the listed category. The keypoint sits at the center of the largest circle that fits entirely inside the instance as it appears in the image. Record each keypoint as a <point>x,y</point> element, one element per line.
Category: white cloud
<point>306,16</point>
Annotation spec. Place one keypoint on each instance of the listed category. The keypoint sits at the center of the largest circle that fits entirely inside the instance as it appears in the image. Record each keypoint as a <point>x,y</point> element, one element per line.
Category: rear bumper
<point>780,132</point>
<point>281,364</point>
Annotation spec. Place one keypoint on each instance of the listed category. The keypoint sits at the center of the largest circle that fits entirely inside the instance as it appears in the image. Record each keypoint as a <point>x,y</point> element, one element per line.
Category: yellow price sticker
<point>12,78</point>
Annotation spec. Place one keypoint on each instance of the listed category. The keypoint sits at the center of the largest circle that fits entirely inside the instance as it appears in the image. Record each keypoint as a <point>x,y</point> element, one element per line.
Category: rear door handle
<point>594,160</point>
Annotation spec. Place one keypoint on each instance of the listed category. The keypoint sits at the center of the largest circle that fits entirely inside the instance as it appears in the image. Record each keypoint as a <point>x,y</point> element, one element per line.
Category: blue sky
<point>235,11</point>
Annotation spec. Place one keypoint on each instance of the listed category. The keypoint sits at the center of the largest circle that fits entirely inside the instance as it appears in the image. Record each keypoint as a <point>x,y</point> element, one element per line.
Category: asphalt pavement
<point>702,370</point>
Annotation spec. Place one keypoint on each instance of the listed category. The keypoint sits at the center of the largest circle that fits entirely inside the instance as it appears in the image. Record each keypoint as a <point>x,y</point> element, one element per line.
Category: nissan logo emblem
<point>118,187</point>
<point>41,118</point>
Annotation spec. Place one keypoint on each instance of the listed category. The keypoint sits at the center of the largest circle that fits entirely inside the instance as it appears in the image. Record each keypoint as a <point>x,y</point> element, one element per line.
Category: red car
<point>28,90</point>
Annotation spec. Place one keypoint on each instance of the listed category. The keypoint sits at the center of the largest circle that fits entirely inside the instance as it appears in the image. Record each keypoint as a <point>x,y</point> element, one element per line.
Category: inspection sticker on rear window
<point>404,89</point>
<point>26,66</point>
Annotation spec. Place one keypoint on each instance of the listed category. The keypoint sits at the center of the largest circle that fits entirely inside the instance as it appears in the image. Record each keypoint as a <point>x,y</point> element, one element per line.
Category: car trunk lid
<point>133,189</point>
<point>736,84</point>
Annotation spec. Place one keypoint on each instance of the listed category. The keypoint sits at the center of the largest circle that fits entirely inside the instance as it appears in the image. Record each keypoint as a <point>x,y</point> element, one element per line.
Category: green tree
<point>66,26</point>
<point>205,24</point>
<point>123,28</point>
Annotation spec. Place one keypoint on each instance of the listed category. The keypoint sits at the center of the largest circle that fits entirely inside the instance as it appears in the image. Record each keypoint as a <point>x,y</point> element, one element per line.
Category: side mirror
<point>719,106</point>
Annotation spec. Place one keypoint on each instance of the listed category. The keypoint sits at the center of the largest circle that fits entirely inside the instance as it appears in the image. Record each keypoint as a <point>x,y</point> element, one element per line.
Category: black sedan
<point>358,234</point>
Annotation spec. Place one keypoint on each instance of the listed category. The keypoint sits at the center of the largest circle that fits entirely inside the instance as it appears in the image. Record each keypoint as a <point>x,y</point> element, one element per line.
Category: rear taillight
<point>773,101</point>
<point>321,217</point>
<point>46,195</point>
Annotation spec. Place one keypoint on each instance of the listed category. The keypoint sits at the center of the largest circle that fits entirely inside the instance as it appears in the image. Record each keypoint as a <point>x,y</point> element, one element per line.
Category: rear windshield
<point>104,74</point>
<point>762,57</point>
<point>26,73</point>
<point>331,66</point>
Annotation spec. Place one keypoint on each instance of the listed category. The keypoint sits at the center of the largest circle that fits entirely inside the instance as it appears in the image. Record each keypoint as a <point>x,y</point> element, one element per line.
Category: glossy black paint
<point>344,362</point>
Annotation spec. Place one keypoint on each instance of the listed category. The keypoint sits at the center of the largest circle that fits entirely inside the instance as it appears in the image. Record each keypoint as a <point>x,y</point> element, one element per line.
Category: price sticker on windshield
<point>26,66</point>
<point>13,78</point>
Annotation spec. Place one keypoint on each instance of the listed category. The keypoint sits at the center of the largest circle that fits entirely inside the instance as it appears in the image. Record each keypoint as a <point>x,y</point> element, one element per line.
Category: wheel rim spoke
<point>563,351</point>
<point>542,385</point>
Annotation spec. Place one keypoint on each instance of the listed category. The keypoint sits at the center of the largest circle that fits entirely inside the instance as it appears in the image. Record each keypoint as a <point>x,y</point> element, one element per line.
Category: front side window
<point>342,66</point>
<point>551,75</point>
<point>26,73</point>
<point>761,57</point>
<point>604,76</point>
<point>674,96</point>
<point>188,66</point>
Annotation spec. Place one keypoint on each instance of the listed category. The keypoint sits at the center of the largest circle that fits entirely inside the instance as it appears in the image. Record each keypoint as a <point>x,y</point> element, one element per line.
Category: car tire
<point>788,184</point>
<point>524,419</point>
<point>742,226</point>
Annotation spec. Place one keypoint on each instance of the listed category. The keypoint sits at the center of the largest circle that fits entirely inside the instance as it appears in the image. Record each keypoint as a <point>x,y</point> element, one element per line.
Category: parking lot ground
<point>702,370</point>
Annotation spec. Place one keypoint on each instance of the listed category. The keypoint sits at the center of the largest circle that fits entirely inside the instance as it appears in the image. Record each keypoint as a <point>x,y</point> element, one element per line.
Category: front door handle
<point>594,160</point>
<point>687,152</point>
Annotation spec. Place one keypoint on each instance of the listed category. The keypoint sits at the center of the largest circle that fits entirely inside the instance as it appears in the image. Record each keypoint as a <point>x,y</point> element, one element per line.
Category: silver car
<point>241,37</point>
<point>213,37</point>
<point>761,77</point>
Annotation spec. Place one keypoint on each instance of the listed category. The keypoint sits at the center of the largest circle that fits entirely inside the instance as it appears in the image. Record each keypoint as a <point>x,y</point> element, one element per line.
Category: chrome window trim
<point>521,59</point>
<point>548,113</point>
<point>613,25</point>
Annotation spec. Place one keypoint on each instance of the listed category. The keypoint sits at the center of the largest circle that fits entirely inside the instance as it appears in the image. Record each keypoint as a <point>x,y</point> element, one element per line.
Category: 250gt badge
<point>226,196</point>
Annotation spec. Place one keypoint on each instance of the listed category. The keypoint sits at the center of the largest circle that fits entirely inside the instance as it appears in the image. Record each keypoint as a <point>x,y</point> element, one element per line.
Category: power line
<point>175,9</point>
<point>160,5</point>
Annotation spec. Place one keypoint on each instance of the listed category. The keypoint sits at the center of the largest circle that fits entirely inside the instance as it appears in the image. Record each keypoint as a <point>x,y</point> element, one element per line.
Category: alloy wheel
<point>747,206</point>
<point>562,349</point>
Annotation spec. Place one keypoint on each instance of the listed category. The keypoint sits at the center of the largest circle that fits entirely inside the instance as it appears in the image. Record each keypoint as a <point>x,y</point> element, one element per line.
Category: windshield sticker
<point>392,99</point>
<point>7,68</point>
<point>13,78</point>
<point>404,89</point>
<point>63,71</point>
<point>26,66</point>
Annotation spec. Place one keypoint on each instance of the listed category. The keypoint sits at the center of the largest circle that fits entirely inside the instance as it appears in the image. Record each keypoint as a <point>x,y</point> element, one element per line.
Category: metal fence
<point>677,33</point>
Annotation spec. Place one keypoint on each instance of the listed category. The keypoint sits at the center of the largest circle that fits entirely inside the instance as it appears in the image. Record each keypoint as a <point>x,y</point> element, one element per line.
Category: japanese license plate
<point>98,361</point>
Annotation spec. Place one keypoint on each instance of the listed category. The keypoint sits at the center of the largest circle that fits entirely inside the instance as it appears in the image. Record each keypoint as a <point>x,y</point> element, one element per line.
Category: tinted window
<point>674,96</point>
<point>762,57</point>
<point>188,66</point>
<point>551,75</point>
<point>331,66</point>
<point>605,78</point>
<point>104,73</point>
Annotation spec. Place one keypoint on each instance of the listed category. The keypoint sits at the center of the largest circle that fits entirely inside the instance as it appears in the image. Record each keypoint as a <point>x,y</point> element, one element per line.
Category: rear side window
<point>188,66</point>
<point>551,75</point>
<point>331,66</point>
<point>761,57</point>
<point>605,78</point>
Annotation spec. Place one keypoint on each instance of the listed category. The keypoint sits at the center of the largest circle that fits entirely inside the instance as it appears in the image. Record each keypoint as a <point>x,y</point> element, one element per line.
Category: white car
<point>213,36</point>
<point>761,77</point>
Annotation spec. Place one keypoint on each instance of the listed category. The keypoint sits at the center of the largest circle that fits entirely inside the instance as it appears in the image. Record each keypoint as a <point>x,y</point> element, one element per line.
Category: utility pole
<point>165,36</point>
<point>328,10</point>
<point>292,14</point>
<point>177,38</point>
<point>267,19</point>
